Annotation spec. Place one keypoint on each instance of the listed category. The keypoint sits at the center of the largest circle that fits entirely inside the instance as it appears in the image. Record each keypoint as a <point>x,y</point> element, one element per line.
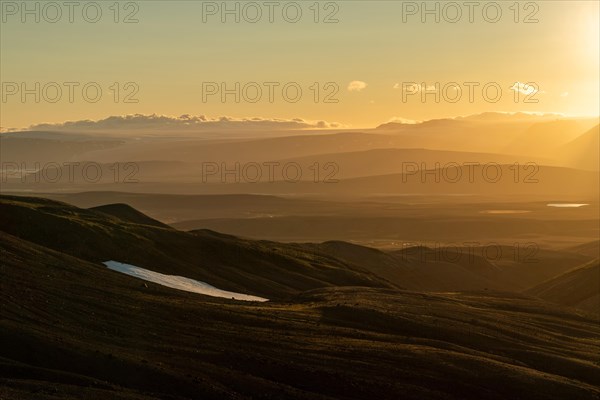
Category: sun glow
<point>586,33</point>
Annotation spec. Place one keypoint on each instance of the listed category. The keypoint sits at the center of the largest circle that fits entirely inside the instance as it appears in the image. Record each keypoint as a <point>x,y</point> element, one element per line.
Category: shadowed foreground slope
<point>72,328</point>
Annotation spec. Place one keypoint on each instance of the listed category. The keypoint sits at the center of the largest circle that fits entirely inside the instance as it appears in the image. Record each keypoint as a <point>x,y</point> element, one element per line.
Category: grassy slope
<point>579,288</point>
<point>262,268</point>
<point>128,213</point>
<point>591,249</point>
<point>76,329</point>
<point>457,268</point>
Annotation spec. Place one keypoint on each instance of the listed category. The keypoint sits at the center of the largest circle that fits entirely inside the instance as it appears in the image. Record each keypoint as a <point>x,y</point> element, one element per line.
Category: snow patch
<point>178,282</point>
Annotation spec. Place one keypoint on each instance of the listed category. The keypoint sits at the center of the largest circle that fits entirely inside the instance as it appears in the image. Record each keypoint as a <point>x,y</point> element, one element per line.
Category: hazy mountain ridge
<point>508,137</point>
<point>583,151</point>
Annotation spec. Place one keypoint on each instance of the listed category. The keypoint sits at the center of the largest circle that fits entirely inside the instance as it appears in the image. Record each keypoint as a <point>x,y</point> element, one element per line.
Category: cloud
<point>356,86</point>
<point>564,94</point>
<point>186,122</point>
<point>401,120</point>
<point>415,87</point>
<point>525,88</point>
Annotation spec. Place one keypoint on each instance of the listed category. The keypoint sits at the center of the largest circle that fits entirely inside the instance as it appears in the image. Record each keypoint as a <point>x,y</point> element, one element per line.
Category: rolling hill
<point>129,214</point>
<point>79,330</point>
<point>578,288</point>
<point>262,268</point>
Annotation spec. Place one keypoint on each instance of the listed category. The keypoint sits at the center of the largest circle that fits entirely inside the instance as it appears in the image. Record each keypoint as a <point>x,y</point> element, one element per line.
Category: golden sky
<point>365,60</point>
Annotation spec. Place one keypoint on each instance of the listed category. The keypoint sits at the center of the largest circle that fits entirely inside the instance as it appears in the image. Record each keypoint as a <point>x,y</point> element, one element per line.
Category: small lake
<point>505,212</point>
<point>567,205</point>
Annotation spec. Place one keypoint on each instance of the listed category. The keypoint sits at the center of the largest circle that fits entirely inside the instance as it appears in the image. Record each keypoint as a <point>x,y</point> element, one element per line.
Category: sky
<point>356,63</point>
